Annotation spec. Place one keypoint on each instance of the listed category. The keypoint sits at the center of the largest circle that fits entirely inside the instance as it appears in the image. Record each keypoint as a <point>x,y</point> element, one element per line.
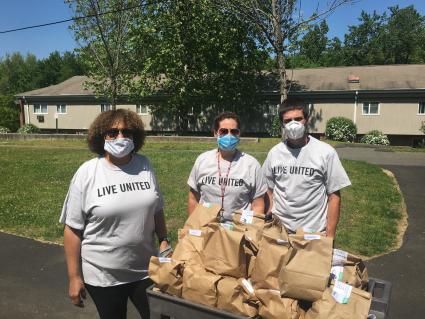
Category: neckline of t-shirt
<point>310,139</point>
<point>237,156</point>
<point>113,167</point>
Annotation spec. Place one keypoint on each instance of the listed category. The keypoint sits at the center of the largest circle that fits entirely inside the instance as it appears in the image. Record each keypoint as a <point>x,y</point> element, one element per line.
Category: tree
<point>404,36</point>
<point>201,59</point>
<point>314,43</point>
<point>363,43</point>
<point>278,21</point>
<point>17,73</point>
<point>103,36</point>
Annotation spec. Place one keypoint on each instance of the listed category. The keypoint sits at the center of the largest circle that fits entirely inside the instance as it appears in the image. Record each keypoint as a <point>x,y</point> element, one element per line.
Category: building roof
<point>72,86</point>
<point>353,78</point>
<point>374,77</point>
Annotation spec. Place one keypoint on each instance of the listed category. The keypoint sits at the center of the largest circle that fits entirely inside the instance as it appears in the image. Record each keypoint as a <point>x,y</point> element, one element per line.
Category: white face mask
<point>119,147</point>
<point>294,130</point>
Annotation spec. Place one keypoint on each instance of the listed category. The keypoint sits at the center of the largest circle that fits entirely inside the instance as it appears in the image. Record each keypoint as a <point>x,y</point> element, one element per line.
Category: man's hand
<point>165,250</point>
<point>77,292</point>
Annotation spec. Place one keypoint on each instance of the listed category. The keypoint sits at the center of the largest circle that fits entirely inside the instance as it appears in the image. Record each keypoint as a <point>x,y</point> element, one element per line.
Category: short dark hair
<point>105,120</point>
<point>223,116</point>
<point>290,105</point>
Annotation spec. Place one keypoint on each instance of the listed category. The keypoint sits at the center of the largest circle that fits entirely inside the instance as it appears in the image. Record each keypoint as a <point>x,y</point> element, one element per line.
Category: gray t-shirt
<point>115,208</point>
<point>301,180</point>
<point>244,183</point>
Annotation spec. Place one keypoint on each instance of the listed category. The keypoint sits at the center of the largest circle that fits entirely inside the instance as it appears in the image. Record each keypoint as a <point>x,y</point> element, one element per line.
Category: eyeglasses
<point>225,131</point>
<point>298,119</point>
<point>114,132</point>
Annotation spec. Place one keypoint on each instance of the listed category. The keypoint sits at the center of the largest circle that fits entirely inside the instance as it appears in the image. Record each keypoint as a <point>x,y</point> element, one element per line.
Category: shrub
<point>340,129</point>
<point>4,129</point>
<point>375,137</point>
<point>28,129</point>
<point>276,127</point>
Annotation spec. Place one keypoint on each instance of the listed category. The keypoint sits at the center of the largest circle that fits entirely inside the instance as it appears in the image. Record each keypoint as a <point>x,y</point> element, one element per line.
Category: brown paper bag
<point>247,217</point>
<point>306,273</point>
<point>274,228</point>
<point>357,306</point>
<point>273,306</point>
<point>200,285</point>
<point>235,297</point>
<point>223,252</point>
<point>349,268</point>
<point>167,274</point>
<point>271,257</point>
<point>202,215</point>
<point>190,244</point>
<point>251,251</point>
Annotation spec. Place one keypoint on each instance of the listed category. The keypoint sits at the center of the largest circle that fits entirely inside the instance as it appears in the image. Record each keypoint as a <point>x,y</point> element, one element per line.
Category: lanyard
<point>223,183</point>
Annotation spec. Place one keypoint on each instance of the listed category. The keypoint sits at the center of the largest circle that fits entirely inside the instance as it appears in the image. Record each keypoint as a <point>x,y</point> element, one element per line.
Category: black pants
<point>111,302</point>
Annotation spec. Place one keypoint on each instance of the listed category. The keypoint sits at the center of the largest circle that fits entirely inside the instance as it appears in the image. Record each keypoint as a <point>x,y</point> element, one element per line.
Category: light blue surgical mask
<point>227,142</point>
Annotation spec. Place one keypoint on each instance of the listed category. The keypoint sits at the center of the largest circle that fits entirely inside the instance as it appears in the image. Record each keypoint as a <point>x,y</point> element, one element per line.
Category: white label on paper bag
<point>341,292</point>
<point>311,236</point>
<point>337,272</point>
<point>309,230</point>
<point>195,232</point>
<point>207,205</point>
<point>339,257</point>
<point>247,217</point>
<point>248,286</point>
<point>281,241</point>
<point>164,260</point>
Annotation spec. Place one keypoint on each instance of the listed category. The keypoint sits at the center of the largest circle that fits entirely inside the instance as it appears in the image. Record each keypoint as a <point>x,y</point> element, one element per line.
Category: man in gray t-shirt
<point>304,177</point>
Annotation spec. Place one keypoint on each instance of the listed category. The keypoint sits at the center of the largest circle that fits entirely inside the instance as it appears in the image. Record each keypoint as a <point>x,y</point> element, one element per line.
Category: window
<point>370,108</point>
<point>61,108</point>
<point>142,109</point>
<point>40,108</point>
<point>105,107</point>
<point>421,109</point>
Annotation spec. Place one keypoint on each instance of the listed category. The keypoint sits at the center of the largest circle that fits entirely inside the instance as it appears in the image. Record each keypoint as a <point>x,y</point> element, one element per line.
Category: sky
<point>42,41</point>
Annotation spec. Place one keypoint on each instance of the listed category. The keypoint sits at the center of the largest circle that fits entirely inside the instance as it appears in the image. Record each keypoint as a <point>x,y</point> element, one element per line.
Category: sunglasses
<point>114,132</point>
<point>225,131</point>
<point>298,119</point>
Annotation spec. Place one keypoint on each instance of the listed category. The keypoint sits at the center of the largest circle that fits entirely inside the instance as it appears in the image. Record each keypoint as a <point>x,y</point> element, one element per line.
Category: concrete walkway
<point>404,268</point>
<point>33,282</point>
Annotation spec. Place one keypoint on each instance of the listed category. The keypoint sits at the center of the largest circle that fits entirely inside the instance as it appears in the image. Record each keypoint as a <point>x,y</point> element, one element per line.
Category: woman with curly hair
<point>111,212</point>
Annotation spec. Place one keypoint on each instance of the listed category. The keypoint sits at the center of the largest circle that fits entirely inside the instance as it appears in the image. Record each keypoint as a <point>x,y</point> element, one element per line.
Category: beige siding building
<point>388,98</point>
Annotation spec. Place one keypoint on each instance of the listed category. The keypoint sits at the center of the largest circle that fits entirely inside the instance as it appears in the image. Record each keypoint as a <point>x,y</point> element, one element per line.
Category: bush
<point>375,137</point>
<point>340,129</point>
<point>28,129</point>
<point>276,127</point>
<point>4,129</point>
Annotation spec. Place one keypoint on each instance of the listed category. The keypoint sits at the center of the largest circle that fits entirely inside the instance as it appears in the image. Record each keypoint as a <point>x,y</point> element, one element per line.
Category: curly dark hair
<point>104,121</point>
<point>223,116</point>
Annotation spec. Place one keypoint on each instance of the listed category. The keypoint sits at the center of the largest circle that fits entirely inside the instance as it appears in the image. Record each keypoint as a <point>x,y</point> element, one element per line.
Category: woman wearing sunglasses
<point>111,212</point>
<point>225,175</point>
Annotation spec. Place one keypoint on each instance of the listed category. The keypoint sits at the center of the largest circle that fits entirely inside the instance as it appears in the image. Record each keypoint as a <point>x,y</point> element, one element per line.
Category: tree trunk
<point>114,93</point>
<point>279,48</point>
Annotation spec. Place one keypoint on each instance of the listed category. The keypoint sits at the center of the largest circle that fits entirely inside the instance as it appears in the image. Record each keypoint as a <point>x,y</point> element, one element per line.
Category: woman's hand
<point>76,291</point>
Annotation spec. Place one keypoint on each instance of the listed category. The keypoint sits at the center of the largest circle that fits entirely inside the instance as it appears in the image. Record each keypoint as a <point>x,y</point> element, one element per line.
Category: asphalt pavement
<point>403,267</point>
<point>33,281</point>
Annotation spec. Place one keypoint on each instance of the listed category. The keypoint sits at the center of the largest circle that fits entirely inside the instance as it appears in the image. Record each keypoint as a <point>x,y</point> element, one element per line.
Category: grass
<point>35,176</point>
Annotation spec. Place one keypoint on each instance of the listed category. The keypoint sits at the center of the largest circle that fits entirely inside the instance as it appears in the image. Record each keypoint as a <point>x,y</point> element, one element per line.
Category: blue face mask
<point>227,142</point>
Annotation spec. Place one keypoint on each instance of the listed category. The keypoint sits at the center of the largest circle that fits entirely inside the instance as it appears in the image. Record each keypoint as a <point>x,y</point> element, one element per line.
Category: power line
<point>71,19</point>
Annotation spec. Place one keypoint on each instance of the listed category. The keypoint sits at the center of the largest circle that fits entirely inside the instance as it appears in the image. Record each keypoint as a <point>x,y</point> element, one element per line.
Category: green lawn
<point>35,176</point>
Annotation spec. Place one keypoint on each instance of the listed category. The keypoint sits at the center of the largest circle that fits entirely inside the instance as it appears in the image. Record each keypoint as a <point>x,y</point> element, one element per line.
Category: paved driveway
<point>405,267</point>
